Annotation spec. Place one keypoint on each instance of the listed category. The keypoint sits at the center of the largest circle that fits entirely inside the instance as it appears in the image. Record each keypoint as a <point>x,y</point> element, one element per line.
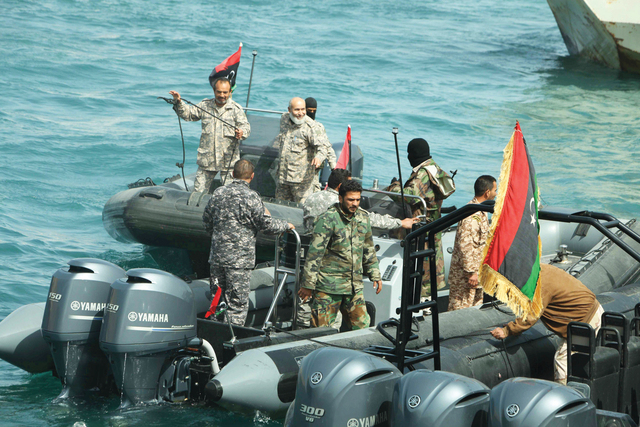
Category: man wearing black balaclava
<point>321,133</point>
<point>421,183</point>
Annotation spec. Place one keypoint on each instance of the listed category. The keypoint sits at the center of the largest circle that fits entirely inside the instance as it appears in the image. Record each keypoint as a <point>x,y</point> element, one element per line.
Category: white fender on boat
<point>212,354</point>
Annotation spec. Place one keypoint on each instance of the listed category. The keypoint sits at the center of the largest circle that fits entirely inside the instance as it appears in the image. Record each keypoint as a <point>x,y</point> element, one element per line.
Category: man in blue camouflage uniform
<point>340,253</point>
<point>219,142</point>
<point>234,215</point>
<point>302,151</point>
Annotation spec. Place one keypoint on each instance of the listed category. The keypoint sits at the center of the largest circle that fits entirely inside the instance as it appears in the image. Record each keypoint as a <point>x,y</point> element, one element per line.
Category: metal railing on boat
<point>415,253</point>
<point>286,271</point>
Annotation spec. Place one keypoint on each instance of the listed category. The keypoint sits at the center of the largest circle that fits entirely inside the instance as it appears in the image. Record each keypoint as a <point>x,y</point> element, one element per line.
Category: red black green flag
<point>511,264</point>
<point>227,68</point>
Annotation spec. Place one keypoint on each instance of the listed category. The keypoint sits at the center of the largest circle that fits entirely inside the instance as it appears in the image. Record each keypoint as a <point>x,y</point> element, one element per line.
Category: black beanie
<point>418,151</point>
<point>311,103</point>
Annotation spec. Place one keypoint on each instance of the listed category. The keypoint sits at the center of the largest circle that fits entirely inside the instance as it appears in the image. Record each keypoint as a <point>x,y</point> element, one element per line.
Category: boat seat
<point>596,366</point>
<point>262,278</point>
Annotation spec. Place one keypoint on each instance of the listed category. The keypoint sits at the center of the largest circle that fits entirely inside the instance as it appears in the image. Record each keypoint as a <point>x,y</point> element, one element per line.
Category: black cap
<point>311,102</point>
<point>418,151</point>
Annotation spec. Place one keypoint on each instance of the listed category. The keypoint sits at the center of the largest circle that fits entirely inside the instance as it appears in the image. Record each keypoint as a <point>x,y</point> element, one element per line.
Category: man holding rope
<point>224,125</point>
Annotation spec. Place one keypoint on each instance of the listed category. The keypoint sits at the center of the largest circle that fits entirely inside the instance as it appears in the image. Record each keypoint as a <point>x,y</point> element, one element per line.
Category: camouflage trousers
<point>204,179</point>
<point>235,291</point>
<point>461,294</point>
<point>303,316</point>
<point>295,192</point>
<point>325,307</point>
<point>426,277</point>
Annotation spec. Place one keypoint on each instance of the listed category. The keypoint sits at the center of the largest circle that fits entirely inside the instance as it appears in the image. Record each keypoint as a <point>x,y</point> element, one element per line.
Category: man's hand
<point>291,226</point>
<point>238,132</point>
<point>473,280</point>
<point>305,294</point>
<point>499,333</point>
<point>377,285</point>
<point>316,162</point>
<point>175,95</point>
<point>408,222</point>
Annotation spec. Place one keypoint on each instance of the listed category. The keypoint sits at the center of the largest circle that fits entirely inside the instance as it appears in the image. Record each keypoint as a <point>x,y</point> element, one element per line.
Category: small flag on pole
<point>214,303</point>
<point>511,261</point>
<point>227,68</point>
<point>343,161</point>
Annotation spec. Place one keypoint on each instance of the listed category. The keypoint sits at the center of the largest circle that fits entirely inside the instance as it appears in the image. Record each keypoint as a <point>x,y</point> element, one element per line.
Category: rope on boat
<point>180,165</point>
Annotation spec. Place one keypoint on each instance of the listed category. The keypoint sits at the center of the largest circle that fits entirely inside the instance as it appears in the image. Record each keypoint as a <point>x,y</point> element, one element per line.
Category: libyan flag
<point>510,269</point>
<point>227,68</point>
<point>343,161</point>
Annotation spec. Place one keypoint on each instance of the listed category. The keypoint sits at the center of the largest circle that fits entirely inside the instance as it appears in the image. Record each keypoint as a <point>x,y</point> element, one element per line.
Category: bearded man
<point>218,150</point>
<point>302,151</point>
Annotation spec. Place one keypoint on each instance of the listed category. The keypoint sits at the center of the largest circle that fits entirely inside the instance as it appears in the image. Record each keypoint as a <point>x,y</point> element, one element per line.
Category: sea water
<point>80,120</point>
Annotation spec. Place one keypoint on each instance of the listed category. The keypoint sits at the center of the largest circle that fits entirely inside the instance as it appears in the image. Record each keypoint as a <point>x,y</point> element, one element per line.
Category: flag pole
<point>395,137</point>
<point>253,63</point>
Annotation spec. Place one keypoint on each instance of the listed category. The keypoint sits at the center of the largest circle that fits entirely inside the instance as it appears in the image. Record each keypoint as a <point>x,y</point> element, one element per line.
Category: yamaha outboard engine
<point>434,398</point>
<point>338,387</point>
<point>72,319</point>
<point>149,321</point>
<point>525,402</point>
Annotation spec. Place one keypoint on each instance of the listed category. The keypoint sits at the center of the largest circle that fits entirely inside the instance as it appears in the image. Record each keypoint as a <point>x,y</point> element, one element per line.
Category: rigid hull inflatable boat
<point>169,215</point>
<point>143,331</point>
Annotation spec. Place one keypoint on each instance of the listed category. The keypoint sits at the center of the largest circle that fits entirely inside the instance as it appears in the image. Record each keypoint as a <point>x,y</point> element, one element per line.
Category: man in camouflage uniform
<point>302,151</point>
<point>464,288</point>
<point>311,109</point>
<point>419,184</point>
<point>317,204</point>
<point>340,253</point>
<point>219,142</point>
<point>234,215</point>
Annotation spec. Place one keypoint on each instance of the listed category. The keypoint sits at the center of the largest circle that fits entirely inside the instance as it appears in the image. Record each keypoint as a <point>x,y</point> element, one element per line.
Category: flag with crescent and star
<point>227,68</point>
<point>510,269</point>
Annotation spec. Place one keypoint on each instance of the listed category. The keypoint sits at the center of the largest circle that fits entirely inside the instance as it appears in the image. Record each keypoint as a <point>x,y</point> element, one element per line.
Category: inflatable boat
<point>169,215</point>
<point>143,332</point>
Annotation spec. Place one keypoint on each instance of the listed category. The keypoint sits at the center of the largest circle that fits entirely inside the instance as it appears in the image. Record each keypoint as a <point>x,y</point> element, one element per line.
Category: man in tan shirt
<point>464,288</point>
<point>564,299</point>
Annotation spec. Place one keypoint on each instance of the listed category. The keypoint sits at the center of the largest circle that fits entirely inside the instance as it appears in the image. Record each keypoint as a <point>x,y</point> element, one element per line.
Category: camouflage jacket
<point>470,239</point>
<point>340,253</point>
<point>217,142</point>
<point>298,145</point>
<point>419,184</point>
<point>320,201</point>
<point>234,216</point>
<point>321,133</point>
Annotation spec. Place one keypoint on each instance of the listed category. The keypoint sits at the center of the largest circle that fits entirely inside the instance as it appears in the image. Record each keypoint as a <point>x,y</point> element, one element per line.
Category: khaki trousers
<point>560,359</point>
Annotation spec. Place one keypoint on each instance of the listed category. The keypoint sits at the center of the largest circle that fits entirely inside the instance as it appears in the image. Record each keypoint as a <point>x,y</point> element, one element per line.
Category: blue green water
<point>79,120</point>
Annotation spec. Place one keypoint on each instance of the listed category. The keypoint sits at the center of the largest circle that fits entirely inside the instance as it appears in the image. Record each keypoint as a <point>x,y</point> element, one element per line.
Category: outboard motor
<point>525,402</point>
<point>435,398</point>
<point>341,387</point>
<point>71,323</point>
<point>149,321</point>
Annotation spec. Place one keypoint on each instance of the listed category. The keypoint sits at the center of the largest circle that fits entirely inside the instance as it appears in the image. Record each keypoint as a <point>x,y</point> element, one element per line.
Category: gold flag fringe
<point>494,283</point>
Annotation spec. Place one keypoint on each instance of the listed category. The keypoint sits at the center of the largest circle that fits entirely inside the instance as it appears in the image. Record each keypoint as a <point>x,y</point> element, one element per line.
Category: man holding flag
<point>511,268</point>
<point>224,125</point>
